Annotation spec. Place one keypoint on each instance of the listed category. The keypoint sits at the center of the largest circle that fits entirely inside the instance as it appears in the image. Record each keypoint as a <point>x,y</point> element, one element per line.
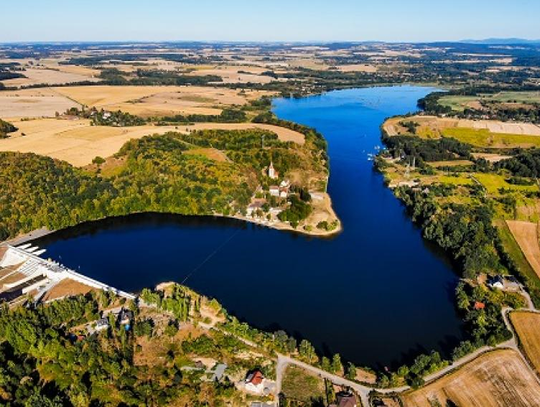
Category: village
<point>26,278</point>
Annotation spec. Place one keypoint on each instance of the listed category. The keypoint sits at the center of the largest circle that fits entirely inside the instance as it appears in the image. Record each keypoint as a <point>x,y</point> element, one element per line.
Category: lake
<point>377,293</point>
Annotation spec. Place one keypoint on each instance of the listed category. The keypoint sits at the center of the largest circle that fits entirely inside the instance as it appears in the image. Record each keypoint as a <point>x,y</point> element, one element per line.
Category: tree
<point>351,371</point>
<point>337,366</point>
<point>307,352</point>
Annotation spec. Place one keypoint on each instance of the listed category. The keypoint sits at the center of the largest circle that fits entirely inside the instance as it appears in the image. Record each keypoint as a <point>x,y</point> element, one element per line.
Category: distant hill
<point>502,41</point>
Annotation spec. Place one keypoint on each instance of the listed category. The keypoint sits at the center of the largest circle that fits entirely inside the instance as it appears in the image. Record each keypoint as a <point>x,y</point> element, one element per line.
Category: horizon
<point>416,21</point>
<point>473,41</point>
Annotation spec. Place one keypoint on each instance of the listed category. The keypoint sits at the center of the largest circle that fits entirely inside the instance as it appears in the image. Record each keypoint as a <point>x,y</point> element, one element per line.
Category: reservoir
<point>377,293</point>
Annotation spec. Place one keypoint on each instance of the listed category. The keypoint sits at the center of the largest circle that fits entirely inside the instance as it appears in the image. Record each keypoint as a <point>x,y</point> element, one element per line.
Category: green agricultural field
<point>486,139</point>
<point>457,103</point>
<point>493,182</point>
<point>455,180</point>
<point>515,97</point>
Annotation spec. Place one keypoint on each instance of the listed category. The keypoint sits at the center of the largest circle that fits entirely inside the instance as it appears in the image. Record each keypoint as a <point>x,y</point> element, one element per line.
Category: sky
<point>270,20</point>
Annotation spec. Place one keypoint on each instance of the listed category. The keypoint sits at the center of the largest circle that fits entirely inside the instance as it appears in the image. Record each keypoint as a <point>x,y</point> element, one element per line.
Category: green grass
<point>455,180</point>
<point>302,386</point>
<point>459,103</point>
<point>518,97</point>
<point>493,182</point>
<point>486,139</point>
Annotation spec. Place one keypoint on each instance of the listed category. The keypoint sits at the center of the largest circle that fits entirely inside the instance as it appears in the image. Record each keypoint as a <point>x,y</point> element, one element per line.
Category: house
<point>254,382</point>
<point>479,305</point>
<point>495,282</point>
<point>272,173</point>
<point>102,324</point>
<point>345,399</point>
<point>255,206</point>
<point>125,317</point>
<point>274,191</point>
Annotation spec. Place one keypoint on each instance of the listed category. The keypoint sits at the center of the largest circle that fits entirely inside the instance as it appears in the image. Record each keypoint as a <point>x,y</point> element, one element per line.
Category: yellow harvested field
<point>497,379</point>
<point>527,326</point>
<point>526,235</point>
<point>432,126</point>
<point>235,74</point>
<point>78,143</point>
<point>77,70</point>
<point>160,100</point>
<point>492,158</point>
<point>48,76</point>
<point>33,103</point>
<point>357,68</point>
<point>502,127</point>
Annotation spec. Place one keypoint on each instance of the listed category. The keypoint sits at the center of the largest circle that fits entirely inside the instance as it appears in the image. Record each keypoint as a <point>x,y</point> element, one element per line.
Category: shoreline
<point>280,226</point>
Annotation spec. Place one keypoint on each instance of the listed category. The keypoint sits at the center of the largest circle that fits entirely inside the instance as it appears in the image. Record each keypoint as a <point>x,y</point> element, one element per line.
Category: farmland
<point>498,378</point>
<point>527,326</point>
<point>148,101</point>
<point>479,133</point>
<point>35,76</point>
<point>488,139</point>
<point>33,103</point>
<point>78,143</point>
<point>526,235</point>
<point>460,103</point>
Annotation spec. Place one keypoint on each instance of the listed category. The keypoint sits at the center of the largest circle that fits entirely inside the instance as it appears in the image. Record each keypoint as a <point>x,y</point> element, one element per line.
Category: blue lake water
<point>377,293</point>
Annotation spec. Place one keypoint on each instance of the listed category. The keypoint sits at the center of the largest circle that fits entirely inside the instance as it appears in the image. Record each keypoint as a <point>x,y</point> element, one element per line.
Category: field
<point>512,248</point>
<point>160,100</point>
<point>77,142</point>
<point>526,235</point>
<point>459,103</point>
<point>302,386</point>
<point>527,326</point>
<point>488,139</point>
<point>493,182</point>
<point>235,74</point>
<point>479,133</point>
<point>48,76</point>
<point>33,103</point>
<point>499,378</point>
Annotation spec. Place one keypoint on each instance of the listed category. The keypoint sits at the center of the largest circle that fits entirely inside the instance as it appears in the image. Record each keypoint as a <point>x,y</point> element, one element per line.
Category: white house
<point>496,282</point>
<point>274,191</point>
<point>254,382</point>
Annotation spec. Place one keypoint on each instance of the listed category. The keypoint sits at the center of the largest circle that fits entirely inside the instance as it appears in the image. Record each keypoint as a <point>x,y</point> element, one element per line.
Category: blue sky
<point>270,20</point>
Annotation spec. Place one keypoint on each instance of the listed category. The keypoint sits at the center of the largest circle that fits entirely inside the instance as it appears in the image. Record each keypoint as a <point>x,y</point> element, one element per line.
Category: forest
<point>39,191</point>
<point>158,174</point>
<point>44,364</point>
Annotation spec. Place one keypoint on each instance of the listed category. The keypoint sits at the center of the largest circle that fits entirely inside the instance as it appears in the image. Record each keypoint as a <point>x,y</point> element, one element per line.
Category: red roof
<point>256,378</point>
<point>479,305</point>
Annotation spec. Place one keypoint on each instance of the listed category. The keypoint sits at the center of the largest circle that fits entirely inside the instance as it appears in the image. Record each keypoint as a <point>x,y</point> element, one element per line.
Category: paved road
<point>284,361</point>
<point>364,391</point>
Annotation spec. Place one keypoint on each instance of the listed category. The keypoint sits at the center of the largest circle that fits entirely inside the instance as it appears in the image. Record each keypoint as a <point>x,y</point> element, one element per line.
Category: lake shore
<point>277,225</point>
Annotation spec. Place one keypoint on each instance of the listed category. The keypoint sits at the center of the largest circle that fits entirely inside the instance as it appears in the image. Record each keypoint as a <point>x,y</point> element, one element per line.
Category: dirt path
<point>526,235</point>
